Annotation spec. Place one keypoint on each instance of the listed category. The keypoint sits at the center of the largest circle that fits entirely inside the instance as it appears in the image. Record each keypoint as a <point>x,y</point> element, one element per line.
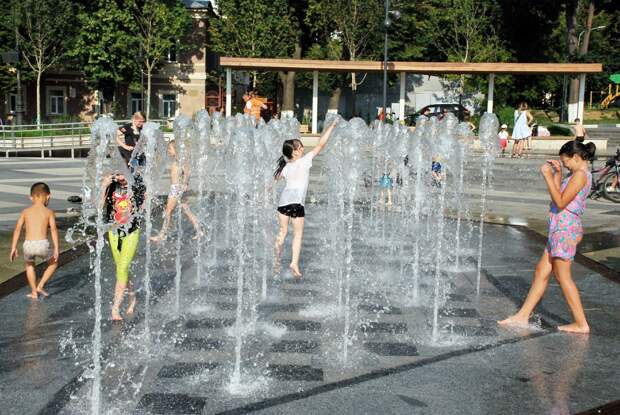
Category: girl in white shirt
<point>294,167</point>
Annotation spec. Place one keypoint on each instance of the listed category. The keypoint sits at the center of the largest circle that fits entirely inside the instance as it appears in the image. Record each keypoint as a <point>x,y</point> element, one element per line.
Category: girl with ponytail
<point>568,203</point>
<point>294,167</point>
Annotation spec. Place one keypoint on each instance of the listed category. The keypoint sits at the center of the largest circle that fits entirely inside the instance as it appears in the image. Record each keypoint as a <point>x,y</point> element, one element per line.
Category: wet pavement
<point>292,361</point>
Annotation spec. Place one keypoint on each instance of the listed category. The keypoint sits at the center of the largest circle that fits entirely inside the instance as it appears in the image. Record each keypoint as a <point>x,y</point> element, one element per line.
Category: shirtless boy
<point>37,219</point>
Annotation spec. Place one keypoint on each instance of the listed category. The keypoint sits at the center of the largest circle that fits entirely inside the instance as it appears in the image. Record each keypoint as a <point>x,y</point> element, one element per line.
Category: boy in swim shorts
<point>37,219</point>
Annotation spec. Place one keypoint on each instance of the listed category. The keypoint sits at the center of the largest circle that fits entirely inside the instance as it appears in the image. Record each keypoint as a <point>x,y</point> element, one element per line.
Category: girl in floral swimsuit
<point>568,202</point>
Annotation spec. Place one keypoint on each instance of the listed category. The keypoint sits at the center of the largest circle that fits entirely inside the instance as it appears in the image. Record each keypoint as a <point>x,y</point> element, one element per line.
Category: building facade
<point>180,86</point>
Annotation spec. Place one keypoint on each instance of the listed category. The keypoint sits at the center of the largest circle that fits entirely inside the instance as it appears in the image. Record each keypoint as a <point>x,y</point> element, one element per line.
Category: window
<point>136,102</point>
<point>171,56</point>
<point>169,102</point>
<point>57,101</point>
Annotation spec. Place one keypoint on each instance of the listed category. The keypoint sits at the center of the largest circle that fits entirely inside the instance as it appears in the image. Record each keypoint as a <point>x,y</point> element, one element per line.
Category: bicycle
<point>606,184</point>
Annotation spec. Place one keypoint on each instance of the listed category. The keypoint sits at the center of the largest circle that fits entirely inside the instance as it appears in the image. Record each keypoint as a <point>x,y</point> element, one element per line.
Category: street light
<point>591,30</point>
<point>386,24</point>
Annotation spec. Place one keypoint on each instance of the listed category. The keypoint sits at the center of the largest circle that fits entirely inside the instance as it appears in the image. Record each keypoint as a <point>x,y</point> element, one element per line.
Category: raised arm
<point>54,234</point>
<point>324,138</point>
<point>16,233</point>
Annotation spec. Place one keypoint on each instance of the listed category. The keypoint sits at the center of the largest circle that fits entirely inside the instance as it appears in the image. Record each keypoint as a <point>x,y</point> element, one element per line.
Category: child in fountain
<point>568,203</point>
<point>294,167</point>
<point>386,183</point>
<point>122,204</point>
<point>179,180</point>
<point>37,219</point>
<point>436,172</point>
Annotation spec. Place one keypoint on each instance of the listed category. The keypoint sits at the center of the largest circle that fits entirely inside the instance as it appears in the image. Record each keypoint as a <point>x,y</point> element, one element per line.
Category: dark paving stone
<point>210,323</point>
<point>293,372</point>
<point>300,292</point>
<point>412,402</point>
<point>223,291</point>
<point>226,306</point>
<point>295,346</point>
<point>275,308</point>
<point>459,298</point>
<point>199,343</point>
<point>391,349</point>
<point>471,331</point>
<point>459,312</point>
<point>179,370</point>
<point>169,403</point>
<point>299,325</point>
<point>378,308</point>
<point>383,327</point>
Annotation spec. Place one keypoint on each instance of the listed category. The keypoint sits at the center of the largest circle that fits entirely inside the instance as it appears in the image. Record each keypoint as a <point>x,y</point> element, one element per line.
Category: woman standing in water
<point>294,167</point>
<point>568,203</point>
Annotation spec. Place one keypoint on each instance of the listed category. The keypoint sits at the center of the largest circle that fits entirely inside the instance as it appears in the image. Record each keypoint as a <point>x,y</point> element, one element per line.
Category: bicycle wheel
<point>613,196</point>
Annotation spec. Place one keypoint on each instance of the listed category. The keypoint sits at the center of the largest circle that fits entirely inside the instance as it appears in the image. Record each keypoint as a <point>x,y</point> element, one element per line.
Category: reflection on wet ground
<point>480,367</point>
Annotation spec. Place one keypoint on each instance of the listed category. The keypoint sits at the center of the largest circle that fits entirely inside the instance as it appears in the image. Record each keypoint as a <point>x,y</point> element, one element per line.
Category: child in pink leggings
<point>568,203</point>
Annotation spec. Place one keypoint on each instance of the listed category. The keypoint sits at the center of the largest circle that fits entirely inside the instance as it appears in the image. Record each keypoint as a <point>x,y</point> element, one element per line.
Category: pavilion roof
<point>301,65</point>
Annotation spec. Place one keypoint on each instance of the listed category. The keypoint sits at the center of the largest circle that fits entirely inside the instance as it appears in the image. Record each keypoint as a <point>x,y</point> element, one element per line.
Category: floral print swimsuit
<point>565,229</point>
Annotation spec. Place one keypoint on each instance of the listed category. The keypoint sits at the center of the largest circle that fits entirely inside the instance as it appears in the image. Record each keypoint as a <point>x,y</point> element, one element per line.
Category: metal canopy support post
<point>582,93</point>
<point>490,93</point>
<point>401,101</point>
<point>228,91</point>
<point>315,101</point>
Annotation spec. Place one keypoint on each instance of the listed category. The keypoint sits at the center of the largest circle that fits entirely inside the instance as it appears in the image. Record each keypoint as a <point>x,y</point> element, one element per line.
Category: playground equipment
<point>612,96</point>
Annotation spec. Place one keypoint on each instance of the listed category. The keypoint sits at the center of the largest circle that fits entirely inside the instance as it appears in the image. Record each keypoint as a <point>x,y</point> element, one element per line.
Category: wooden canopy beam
<point>300,65</point>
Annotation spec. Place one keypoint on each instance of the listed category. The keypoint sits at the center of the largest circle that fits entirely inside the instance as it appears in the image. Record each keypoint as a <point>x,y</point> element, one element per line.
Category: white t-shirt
<point>297,176</point>
<point>503,135</point>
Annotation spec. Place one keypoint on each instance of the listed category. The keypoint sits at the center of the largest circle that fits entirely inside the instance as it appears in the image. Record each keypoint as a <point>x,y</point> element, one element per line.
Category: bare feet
<point>515,321</point>
<point>131,306</point>
<point>43,292</point>
<point>32,295</point>
<point>116,316</point>
<point>199,234</point>
<point>575,328</point>
<point>295,270</point>
<point>158,238</point>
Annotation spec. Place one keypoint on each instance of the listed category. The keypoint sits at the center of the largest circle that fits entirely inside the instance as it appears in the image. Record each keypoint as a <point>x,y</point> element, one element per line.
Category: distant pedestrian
<point>128,136</point>
<point>37,219</point>
<point>521,131</point>
<point>580,131</point>
<point>503,138</point>
<point>10,118</point>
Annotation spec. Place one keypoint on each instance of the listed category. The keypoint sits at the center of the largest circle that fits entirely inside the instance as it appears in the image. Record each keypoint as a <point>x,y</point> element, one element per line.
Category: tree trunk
<point>334,100</point>
<point>148,93</point>
<point>38,99</point>
<point>353,94</point>
<point>288,90</point>
<point>288,84</point>
<point>572,9</point>
<point>583,48</point>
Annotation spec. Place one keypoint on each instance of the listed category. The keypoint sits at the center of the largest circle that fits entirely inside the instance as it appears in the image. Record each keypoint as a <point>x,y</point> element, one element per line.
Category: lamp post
<point>386,25</point>
<point>591,30</point>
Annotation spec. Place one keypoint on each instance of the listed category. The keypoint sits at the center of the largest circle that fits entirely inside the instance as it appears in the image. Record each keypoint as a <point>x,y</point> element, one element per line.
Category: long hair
<point>523,106</point>
<point>585,151</point>
<point>287,153</point>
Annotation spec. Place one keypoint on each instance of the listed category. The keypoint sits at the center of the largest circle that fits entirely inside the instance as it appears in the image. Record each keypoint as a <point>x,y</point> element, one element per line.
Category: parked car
<point>437,110</point>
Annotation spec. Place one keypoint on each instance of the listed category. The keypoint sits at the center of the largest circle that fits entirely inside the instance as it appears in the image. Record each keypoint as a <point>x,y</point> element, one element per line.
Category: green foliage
<point>161,26</point>
<point>105,47</point>
<point>252,28</point>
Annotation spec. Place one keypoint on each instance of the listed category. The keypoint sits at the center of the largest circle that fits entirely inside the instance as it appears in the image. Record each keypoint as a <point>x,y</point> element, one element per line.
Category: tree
<point>106,47</point>
<point>44,35</point>
<point>253,28</point>
<point>468,32</point>
<point>356,24</point>
<point>161,24</point>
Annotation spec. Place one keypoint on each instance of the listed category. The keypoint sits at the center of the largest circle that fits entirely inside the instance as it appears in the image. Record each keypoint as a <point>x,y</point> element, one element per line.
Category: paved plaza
<point>292,358</point>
